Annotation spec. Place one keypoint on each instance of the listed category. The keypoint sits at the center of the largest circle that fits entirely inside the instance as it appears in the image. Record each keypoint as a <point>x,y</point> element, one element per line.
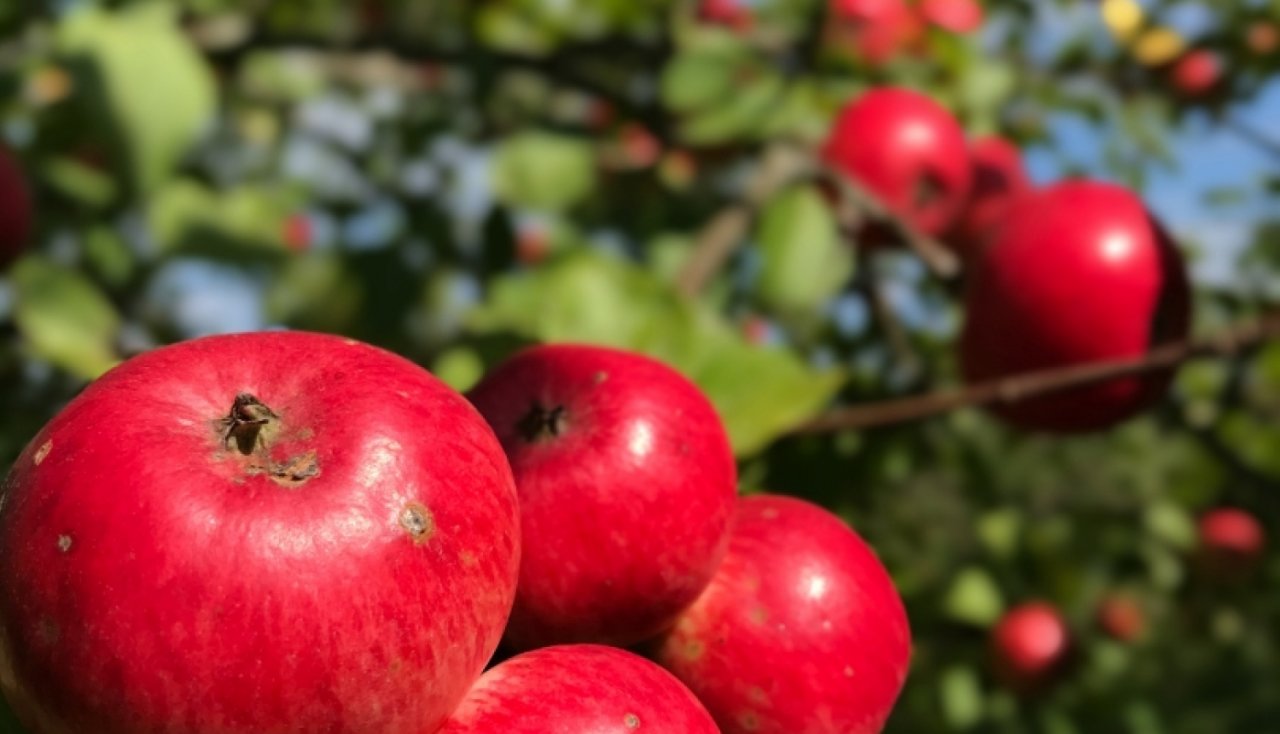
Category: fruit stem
<point>540,422</point>
<point>248,423</point>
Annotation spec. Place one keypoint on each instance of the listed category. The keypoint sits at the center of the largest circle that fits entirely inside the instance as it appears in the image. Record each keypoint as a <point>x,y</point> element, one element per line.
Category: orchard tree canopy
<point>902,247</point>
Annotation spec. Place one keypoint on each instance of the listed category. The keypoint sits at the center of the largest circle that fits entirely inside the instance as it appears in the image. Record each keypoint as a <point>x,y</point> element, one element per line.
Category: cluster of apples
<point>873,32</point>
<point>1032,645</point>
<point>1071,273</point>
<point>305,533</point>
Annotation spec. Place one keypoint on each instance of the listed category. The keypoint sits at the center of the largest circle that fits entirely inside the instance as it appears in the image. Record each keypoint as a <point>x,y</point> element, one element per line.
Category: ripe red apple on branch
<point>579,688</point>
<point>626,482</point>
<point>999,180</point>
<point>1079,273</point>
<point>1030,646</point>
<point>255,533</point>
<point>907,150</point>
<point>1231,543</point>
<point>801,630</point>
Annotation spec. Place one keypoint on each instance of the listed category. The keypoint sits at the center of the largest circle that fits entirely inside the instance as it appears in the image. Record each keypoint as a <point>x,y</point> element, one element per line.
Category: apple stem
<point>540,422</point>
<point>246,422</point>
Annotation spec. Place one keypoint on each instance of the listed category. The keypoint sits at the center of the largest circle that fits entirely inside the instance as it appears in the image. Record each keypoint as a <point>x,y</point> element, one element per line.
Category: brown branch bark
<point>782,166</point>
<point>941,261</point>
<point>1035,384</point>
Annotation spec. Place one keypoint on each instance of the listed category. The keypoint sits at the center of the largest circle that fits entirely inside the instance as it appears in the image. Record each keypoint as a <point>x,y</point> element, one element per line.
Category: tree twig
<point>940,260</point>
<point>782,166</point>
<point>1036,384</point>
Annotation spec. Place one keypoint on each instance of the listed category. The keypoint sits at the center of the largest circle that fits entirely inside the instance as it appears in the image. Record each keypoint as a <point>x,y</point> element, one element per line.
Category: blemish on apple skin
<point>758,615</point>
<point>749,720</point>
<point>693,649</point>
<point>632,721</point>
<point>600,377</point>
<point>416,519</point>
<point>64,543</point>
<point>42,452</point>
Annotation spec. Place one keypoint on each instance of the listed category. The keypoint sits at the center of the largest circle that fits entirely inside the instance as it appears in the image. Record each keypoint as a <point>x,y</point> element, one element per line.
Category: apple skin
<point>1031,645</point>
<point>957,16</point>
<point>626,481</point>
<point>1080,272</point>
<point>1231,543</point>
<point>1196,73</point>
<point>800,631</point>
<point>579,688</point>
<point>157,580</point>
<point>999,180</point>
<point>731,13</point>
<point>907,150</point>
<point>15,210</point>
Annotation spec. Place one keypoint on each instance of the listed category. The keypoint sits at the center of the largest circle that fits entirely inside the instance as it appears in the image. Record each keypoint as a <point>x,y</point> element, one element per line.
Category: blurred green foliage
<point>452,179</point>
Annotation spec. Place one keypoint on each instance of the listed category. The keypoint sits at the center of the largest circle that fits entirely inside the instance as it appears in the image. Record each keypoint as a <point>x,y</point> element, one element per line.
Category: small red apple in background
<point>296,232</point>
<point>15,210</point>
<point>907,150</point>
<point>957,16</point>
<point>626,482</point>
<point>865,9</point>
<point>579,688</point>
<point>533,244</point>
<point>1121,617</point>
<point>874,32</point>
<point>732,13</point>
<point>1079,273</point>
<point>261,532</point>
<point>801,630</point>
<point>1231,542</point>
<point>999,179</point>
<point>1030,646</point>
<point>1196,72</point>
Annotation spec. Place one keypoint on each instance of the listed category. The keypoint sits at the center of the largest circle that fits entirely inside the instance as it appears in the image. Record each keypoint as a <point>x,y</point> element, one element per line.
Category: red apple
<point>732,13</point>
<point>1030,645</point>
<point>1196,72</point>
<point>801,630</point>
<point>875,32</point>
<point>865,9</point>
<point>1079,273</point>
<point>255,533</point>
<point>1121,617</point>
<point>296,232</point>
<point>626,482</point>
<point>999,179</point>
<point>1231,542</point>
<point>579,688</point>
<point>15,210</point>
<point>957,16</point>
<point>906,149</point>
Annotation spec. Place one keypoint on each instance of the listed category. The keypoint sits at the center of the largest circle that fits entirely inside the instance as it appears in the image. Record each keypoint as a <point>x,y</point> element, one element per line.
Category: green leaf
<point>544,171</point>
<point>699,78</point>
<point>586,297</point>
<point>974,598</point>
<point>64,318</point>
<point>742,115</point>
<point>960,692</point>
<point>246,220</point>
<point>805,262</point>
<point>151,83</point>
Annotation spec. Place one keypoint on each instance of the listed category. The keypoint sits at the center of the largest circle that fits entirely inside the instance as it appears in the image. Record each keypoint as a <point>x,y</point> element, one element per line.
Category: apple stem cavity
<point>246,423</point>
<point>542,423</point>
